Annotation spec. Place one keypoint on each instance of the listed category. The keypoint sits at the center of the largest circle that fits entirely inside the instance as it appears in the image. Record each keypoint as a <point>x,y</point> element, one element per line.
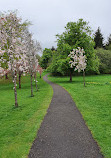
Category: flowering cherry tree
<point>10,42</point>
<point>32,49</point>
<point>78,60</point>
<point>37,48</point>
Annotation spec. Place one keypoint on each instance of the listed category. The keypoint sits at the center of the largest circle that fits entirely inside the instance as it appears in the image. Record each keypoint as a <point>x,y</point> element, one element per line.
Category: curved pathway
<point>63,133</point>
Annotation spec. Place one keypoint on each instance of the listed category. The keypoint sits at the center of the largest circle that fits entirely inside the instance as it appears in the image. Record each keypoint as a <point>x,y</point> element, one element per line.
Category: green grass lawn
<point>94,102</point>
<point>18,126</point>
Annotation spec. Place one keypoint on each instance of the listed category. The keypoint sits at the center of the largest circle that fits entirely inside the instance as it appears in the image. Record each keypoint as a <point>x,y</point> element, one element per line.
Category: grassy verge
<point>18,126</point>
<point>94,102</point>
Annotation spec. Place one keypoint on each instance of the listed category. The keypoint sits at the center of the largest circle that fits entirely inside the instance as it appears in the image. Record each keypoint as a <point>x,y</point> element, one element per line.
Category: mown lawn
<point>18,126</point>
<point>94,102</point>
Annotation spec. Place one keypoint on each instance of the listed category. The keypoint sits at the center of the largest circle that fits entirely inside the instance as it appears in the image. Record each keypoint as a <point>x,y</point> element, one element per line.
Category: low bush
<point>105,60</point>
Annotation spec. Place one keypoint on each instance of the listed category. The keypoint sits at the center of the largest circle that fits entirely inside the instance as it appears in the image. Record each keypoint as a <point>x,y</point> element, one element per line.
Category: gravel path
<point>63,133</point>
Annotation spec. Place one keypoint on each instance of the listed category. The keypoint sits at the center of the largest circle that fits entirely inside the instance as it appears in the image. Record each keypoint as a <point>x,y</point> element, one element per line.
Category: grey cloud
<point>50,16</point>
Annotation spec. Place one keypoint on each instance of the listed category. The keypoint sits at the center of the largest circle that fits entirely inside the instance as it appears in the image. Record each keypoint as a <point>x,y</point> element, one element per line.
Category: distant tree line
<point>103,51</point>
<point>78,34</point>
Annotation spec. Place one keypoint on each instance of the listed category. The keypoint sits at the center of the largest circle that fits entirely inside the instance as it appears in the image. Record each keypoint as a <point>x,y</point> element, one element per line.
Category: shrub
<point>105,60</point>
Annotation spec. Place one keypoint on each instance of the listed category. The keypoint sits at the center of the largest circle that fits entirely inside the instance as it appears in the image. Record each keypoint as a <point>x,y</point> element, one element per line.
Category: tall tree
<point>98,39</point>
<point>29,54</point>
<point>32,48</point>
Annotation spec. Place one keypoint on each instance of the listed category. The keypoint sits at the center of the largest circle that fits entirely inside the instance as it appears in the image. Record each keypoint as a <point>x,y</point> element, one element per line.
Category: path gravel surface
<point>63,132</point>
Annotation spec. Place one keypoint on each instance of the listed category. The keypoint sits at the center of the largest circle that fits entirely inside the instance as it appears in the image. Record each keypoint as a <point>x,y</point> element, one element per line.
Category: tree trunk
<point>31,87</point>
<point>6,76</point>
<point>15,93</point>
<point>19,79</point>
<point>36,81</point>
<point>84,77</point>
<point>70,76</point>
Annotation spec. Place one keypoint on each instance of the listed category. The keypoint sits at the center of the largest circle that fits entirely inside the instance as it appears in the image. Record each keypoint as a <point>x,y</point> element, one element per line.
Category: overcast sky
<point>49,17</point>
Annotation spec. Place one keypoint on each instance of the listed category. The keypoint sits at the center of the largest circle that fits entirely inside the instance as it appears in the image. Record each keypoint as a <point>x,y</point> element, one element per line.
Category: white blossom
<point>78,59</point>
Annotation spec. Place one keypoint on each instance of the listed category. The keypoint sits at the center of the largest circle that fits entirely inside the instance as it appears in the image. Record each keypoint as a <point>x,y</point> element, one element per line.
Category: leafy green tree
<point>45,59</point>
<point>76,34</point>
<point>98,39</point>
